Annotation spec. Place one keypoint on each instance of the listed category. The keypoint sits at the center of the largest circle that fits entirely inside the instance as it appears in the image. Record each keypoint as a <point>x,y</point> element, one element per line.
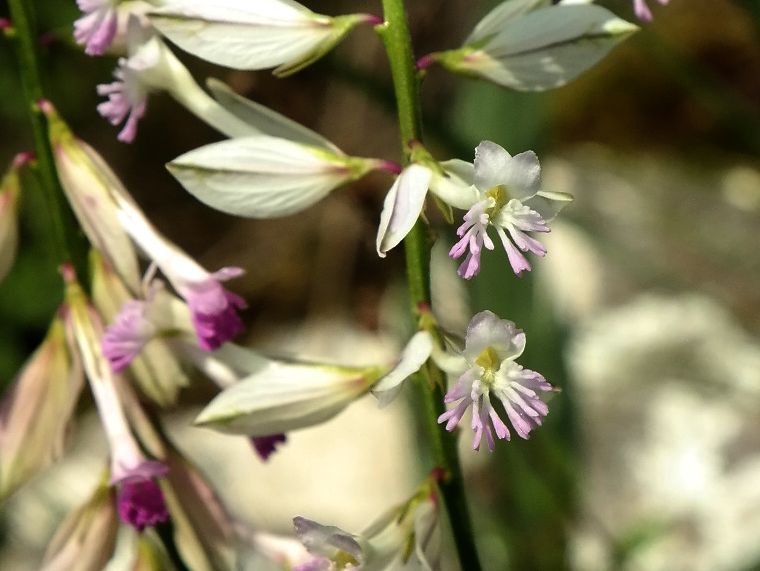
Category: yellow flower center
<point>489,360</point>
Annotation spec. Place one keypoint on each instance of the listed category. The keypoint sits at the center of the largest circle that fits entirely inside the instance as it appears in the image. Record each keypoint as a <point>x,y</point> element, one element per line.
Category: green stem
<point>62,226</point>
<point>398,45</point>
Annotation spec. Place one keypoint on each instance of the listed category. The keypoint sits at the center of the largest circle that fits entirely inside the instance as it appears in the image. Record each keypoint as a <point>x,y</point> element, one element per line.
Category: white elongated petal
<point>261,177</point>
<point>284,397</point>
<point>547,48</point>
<point>265,120</point>
<point>402,206</point>
<point>502,14</point>
<point>244,35</point>
<point>549,204</point>
<point>416,352</point>
<point>455,186</point>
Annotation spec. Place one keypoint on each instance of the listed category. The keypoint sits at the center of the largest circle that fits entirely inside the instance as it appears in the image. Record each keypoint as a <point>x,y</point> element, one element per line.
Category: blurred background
<point>646,311</point>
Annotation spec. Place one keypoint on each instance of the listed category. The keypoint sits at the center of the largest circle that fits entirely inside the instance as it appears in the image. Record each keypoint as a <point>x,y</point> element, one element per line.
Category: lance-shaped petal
<point>285,397</point>
<point>151,361</point>
<point>528,49</point>
<point>280,397</point>
<point>406,537</point>
<point>9,194</point>
<point>253,35</point>
<point>86,539</point>
<point>35,412</point>
<point>265,177</point>
<point>402,207</point>
<point>203,528</point>
<point>89,184</point>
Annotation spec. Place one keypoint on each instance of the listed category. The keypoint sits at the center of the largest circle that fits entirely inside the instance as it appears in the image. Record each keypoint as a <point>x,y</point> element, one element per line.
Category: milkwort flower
<point>96,29</point>
<point>140,500</point>
<point>487,368</point>
<point>509,200</point>
<point>405,537</point>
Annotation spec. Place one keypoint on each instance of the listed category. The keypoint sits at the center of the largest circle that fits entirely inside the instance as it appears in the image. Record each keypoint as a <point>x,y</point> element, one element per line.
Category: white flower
<point>253,35</point>
<point>486,369</point>
<point>510,200</point>
<point>532,45</point>
<point>266,177</point>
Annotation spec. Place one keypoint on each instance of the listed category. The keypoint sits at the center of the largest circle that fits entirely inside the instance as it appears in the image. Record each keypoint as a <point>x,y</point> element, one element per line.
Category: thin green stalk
<point>62,227</point>
<point>398,45</point>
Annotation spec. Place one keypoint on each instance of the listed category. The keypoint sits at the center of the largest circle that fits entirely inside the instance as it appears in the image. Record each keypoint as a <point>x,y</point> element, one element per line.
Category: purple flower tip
<point>23,158</point>
<point>141,503</point>
<point>5,24</point>
<point>265,446</point>
<point>373,19</point>
<point>426,61</point>
<point>214,309</point>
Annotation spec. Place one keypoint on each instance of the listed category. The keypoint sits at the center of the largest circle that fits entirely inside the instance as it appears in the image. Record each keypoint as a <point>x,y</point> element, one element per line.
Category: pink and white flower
<point>510,200</point>
<point>96,29</point>
<point>139,498</point>
<point>487,368</point>
<point>213,309</point>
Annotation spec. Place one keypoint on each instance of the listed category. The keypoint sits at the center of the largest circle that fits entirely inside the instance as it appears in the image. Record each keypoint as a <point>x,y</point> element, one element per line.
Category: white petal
<point>416,352</point>
<point>497,18</point>
<point>260,177</point>
<point>456,186</point>
<point>402,207</point>
<point>265,120</point>
<point>487,330</point>
<point>284,397</point>
<point>520,175</point>
<point>491,161</point>
<point>549,47</point>
<point>325,540</point>
<point>243,35</point>
<point>549,204</point>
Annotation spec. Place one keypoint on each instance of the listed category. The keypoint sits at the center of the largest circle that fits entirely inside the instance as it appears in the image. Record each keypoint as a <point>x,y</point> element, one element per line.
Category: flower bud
<point>9,192</point>
<point>86,539</point>
<point>36,410</point>
<point>90,185</point>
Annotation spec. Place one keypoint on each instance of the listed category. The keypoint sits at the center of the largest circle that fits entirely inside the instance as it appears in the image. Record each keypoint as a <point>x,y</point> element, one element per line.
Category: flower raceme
<point>509,199</point>
<point>487,368</point>
<point>534,45</point>
<point>254,35</point>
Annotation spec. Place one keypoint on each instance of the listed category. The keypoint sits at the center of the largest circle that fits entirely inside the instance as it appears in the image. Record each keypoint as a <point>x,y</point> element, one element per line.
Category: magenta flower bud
<point>265,446</point>
<point>141,502</point>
